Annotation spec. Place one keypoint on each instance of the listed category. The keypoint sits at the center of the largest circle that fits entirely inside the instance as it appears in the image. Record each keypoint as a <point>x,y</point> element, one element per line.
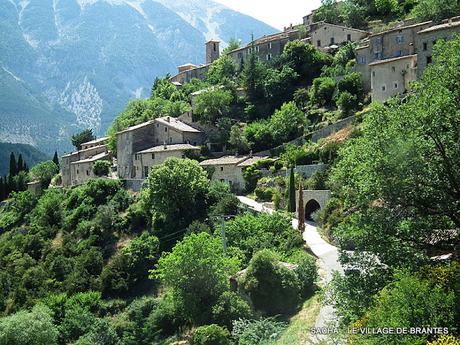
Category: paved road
<point>327,256</point>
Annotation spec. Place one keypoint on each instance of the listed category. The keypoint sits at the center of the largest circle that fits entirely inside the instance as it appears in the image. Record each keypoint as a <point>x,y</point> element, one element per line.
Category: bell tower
<point>212,51</point>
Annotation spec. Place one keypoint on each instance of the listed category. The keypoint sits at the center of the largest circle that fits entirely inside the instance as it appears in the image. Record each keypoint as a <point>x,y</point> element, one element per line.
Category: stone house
<point>325,36</point>
<point>91,149</point>
<point>146,159</point>
<point>189,71</point>
<point>267,47</point>
<point>396,42</point>
<point>82,170</point>
<point>230,169</point>
<point>426,39</point>
<point>391,77</point>
<point>164,130</point>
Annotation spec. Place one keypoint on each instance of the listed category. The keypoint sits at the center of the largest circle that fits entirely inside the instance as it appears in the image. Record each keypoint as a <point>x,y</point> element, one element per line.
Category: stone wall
<point>132,184</point>
<point>326,131</point>
<point>320,196</point>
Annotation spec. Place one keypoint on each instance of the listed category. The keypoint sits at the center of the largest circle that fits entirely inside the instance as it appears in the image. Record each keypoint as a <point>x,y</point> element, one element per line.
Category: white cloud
<point>278,13</point>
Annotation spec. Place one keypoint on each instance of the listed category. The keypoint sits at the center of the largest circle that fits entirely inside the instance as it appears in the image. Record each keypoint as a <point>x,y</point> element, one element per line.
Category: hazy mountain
<point>71,64</point>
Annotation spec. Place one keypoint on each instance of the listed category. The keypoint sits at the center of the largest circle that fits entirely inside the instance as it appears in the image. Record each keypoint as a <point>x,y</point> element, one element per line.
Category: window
<point>332,40</point>
<point>78,171</point>
<point>158,140</point>
<point>270,45</point>
<point>400,39</point>
<point>425,46</point>
<point>395,85</point>
<point>362,60</point>
<point>240,55</point>
<point>158,125</point>
<point>146,171</point>
<point>166,129</point>
<point>215,47</point>
<point>258,48</point>
<point>153,156</point>
<point>87,172</point>
<point>269,57</point>
<point>170,140</point>
<point>221,168</point>
<point>135,157</point>
<point>434,42</point>
<point>393,69</point>
<point>429,60</point>
<point>318,43</point>
<point>384,87</point>
<point>373,73</point>
<point>399,53</point>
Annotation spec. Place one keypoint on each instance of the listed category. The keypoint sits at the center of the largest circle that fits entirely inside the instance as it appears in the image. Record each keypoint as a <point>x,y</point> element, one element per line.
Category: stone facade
<point>314,200</point>
<point>164,130</point>
<point>391,77</point>
<point>324,35</point>
<point>230,169</point>
<point>82,170</point>
<point>426,39</point>
<point>146,159</point>
<point>68,174</point>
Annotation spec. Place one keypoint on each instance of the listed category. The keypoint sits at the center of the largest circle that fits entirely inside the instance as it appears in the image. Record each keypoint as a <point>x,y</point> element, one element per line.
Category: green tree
<point>25,328</point>
<point>322,91</point>
<point>212,105</point>
<point>101,168</point>
<point>253,76</point>
<point>222,70</point>
<point>238,138</point>
<point>44,172</point>
<point>56,159</point>
<point>328,12</point>
<point>13,165</point>
<point>436,9</point>
<point>386,7</point>
<point>287,123</point>
<point>211,335</point>
<point>232,45</point>
<point>82,137</point>
<point>291,192</point>
<point>21,164</point>
<point>197,273</point>
<point>176,192</point>
<point>274,288</point>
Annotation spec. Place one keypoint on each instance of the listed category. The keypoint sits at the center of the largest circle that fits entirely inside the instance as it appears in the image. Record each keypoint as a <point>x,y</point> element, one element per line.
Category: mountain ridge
<point>68,65</point>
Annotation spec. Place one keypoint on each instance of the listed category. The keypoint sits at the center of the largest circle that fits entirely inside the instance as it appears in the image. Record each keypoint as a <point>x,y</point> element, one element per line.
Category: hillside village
<point>300,189</point>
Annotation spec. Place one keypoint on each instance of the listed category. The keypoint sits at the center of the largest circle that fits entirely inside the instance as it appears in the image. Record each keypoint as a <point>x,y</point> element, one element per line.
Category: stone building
<point>426,39</point>
<point>82,170</point>
<point>267,47</point>
<point>88,151</point>
<point>325,36</point>
<point>391,77</point>
<point>164,130</point>
<point>189,71</point>
<point>389,44</point>
<point>230,169</point>
<point>146,159</point>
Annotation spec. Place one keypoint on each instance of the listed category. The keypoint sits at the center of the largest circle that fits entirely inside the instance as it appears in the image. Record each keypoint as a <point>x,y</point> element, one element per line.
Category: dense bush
<point>274,288</point>
<point>101,168</point>
<point>230,306</point>
<point>322,91</point>
<point>256,332</point>
<point>211,335</point>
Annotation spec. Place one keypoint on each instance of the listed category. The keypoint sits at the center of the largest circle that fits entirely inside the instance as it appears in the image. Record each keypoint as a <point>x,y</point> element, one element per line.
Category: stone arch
<point>310,207</point>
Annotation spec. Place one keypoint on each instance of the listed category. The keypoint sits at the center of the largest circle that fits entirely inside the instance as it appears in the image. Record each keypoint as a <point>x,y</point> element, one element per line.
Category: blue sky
<point>277,13</point>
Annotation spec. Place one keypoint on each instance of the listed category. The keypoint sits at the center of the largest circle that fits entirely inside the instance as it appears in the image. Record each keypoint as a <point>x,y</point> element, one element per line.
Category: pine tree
<point>56,159</point>
<point>13,166</point>
<point>20,165</point>
<point>291,192</point>
<point>301,208</point>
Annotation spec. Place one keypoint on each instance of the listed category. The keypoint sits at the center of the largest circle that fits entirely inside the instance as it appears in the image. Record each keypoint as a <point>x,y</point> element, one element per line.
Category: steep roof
<point>176,124</point>
<point>400,28</point>
<point>251,161</point>
<point>94,148</point>
<point>166,148</point>
<point>444,26</point>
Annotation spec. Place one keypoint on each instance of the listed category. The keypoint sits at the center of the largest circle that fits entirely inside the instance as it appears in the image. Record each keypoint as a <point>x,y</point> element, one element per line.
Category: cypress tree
<point>291,192</point>
<point>20,165</point>
<point>301,208</point>
<point>13,166</point>
<point>56,159</point>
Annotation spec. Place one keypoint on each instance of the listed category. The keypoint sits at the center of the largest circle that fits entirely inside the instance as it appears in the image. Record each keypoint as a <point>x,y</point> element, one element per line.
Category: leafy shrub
<point>264,194</point>
<point>101,168</point>
<point>306,271</point>
<point>230,306</point>
<point>165,320</point>
<point>347,102</point>
<point>211,335</point>
<point>322,91</point>
<point>255,332</point>
<point>445,340</point>
<point>274,288</point>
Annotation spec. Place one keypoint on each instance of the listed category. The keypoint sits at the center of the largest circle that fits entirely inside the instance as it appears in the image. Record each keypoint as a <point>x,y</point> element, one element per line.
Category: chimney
<point>168,119</point>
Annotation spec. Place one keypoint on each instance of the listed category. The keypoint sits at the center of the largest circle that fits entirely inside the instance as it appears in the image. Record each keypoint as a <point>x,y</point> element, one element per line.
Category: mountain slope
<point>72,64</point>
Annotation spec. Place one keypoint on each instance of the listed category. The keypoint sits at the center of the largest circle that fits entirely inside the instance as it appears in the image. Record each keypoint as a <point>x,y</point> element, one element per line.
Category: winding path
<point>328,261</point>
